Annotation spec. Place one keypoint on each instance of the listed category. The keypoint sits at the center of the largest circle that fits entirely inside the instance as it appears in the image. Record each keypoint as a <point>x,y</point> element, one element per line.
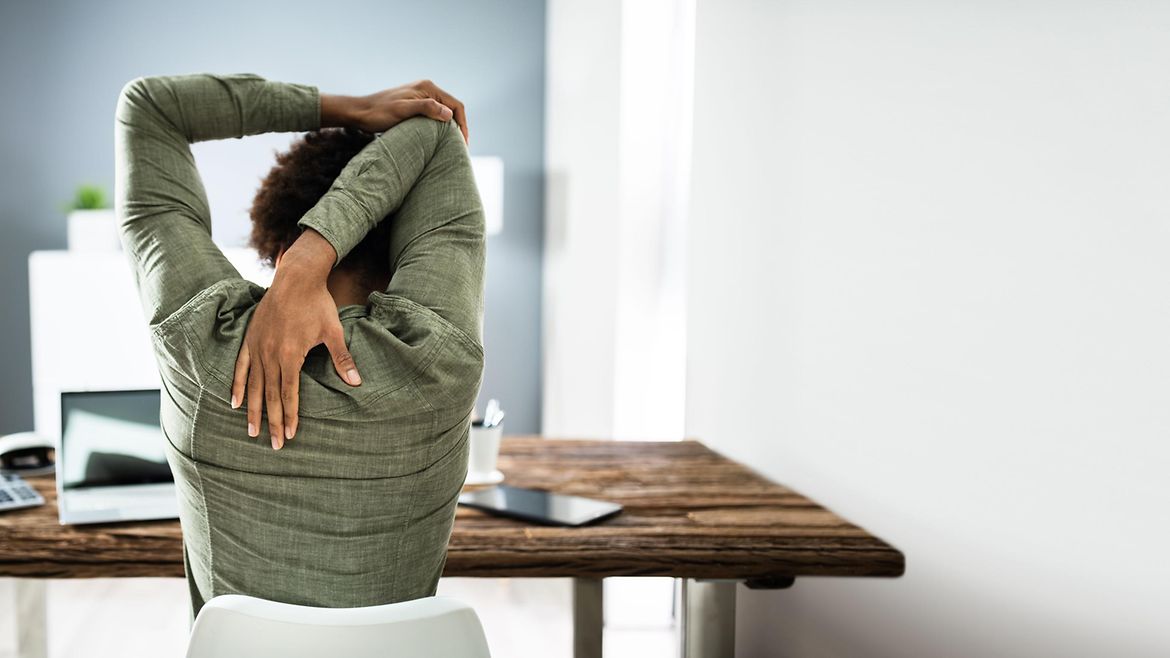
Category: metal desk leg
<point>587,617</point>
<point>707,618</point>
<point>31,638</point>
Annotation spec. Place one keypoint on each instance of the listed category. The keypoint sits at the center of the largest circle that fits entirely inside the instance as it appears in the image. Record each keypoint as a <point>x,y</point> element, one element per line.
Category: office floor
<point>147,617</point>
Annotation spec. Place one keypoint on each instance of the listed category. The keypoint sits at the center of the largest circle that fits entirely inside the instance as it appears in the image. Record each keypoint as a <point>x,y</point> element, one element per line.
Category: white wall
<point>928,267</point>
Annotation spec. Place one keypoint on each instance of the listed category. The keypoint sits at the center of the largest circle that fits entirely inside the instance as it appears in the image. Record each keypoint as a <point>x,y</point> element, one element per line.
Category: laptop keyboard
<point>15,493</point>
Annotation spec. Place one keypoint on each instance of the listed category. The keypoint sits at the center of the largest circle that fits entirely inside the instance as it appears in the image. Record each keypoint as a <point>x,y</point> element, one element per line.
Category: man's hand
<point>298,313</point>
<point>295,315</point>
<point>380,111</point>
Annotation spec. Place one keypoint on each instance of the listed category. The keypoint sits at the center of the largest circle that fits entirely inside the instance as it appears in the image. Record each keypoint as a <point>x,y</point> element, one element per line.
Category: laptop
<point>111,465</point>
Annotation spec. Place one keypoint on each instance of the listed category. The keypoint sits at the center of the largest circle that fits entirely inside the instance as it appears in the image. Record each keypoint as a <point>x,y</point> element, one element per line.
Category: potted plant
<point>92,225</point>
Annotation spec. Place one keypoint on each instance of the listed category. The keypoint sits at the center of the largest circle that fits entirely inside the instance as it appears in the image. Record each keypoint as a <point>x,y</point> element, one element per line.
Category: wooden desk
<point>690,513</point>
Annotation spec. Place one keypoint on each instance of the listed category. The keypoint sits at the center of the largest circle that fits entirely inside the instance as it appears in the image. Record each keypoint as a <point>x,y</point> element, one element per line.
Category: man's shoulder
<point>450,371</point>
<point>195,339</point>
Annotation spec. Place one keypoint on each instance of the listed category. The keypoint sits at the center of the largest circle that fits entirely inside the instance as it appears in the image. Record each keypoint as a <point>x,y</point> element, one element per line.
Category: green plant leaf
<point>88,197</point>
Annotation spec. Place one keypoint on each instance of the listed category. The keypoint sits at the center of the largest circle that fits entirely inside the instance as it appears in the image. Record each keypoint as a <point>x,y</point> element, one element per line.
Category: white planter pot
<point>93,230</point>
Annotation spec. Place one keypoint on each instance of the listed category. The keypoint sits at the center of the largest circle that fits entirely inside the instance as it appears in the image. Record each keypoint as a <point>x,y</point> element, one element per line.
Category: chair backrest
<point>236,626</point>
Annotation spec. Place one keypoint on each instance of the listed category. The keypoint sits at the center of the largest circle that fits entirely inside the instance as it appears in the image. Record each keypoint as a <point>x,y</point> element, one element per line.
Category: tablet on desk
<point>539,506</point>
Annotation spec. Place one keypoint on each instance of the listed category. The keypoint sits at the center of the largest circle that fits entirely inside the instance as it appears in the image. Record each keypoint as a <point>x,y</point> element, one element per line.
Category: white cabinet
<point>89,331</point>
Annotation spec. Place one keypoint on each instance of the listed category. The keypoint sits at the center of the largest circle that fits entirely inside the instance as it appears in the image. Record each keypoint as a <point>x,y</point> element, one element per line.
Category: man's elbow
<point>133,99</point>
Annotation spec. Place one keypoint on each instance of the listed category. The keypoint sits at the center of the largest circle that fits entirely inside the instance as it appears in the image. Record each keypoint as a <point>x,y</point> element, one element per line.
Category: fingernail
<point>251,429</point>
<point>235,402</point>
<point>288,432</point>
<point>275,442</point>
<point>353,377</point>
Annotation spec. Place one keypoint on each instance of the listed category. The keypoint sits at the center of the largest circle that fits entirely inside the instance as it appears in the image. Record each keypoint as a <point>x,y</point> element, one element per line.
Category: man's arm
<point>159,197</point>
<point>418,166</point>
<point>419,170</point>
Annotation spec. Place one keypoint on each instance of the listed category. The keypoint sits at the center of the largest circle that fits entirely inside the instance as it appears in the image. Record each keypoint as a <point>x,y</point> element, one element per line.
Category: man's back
<point>358,508</point>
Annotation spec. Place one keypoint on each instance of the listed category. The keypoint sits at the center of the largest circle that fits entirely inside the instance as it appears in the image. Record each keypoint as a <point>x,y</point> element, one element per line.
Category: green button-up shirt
<point>358,508</point>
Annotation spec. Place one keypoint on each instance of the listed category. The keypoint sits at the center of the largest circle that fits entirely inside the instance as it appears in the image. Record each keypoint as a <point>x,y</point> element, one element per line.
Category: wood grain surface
<point>688,512</point>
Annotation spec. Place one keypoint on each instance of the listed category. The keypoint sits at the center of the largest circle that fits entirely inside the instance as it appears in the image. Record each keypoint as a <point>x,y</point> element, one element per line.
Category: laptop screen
<point>111,438</point>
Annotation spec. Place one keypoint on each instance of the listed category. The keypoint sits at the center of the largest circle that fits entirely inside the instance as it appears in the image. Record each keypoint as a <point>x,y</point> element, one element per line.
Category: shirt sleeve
<point>159,199</point>
<point>418,176</point>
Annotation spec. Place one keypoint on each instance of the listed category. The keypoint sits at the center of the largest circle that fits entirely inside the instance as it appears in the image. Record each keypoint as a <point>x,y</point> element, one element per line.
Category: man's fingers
<point>240,378</point>
<point>450,101</point>
<point>290,382</point>
<point>461,119</point>
<point>272,407</point>
<point>342,360</point>
<point>431,108</point>
<point>255,397</point>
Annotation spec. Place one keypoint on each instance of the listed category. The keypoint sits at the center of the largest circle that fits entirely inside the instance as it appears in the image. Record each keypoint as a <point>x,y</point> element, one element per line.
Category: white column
<point>618,160</point>
<point>581,217</point>
<point>650,344</point>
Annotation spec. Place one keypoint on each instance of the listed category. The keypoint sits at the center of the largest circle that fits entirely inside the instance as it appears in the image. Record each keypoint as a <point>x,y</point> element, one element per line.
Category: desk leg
<point>31,638</point>
<point>706,618</point>
<point>587,617</point>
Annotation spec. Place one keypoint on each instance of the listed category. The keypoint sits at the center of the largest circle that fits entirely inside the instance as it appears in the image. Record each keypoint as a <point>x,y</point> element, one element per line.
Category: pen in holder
<point>484,450</point>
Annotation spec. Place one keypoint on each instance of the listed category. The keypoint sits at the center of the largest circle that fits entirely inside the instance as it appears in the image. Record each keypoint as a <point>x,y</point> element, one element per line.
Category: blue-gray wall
<point>63,63</point>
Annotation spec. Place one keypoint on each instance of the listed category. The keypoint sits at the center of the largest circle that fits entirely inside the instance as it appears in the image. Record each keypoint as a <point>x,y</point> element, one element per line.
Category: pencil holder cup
<point>483,455</point>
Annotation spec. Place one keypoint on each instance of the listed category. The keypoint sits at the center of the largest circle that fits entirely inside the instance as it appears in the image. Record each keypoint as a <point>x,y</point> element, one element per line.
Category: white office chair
<point>235,626</point>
